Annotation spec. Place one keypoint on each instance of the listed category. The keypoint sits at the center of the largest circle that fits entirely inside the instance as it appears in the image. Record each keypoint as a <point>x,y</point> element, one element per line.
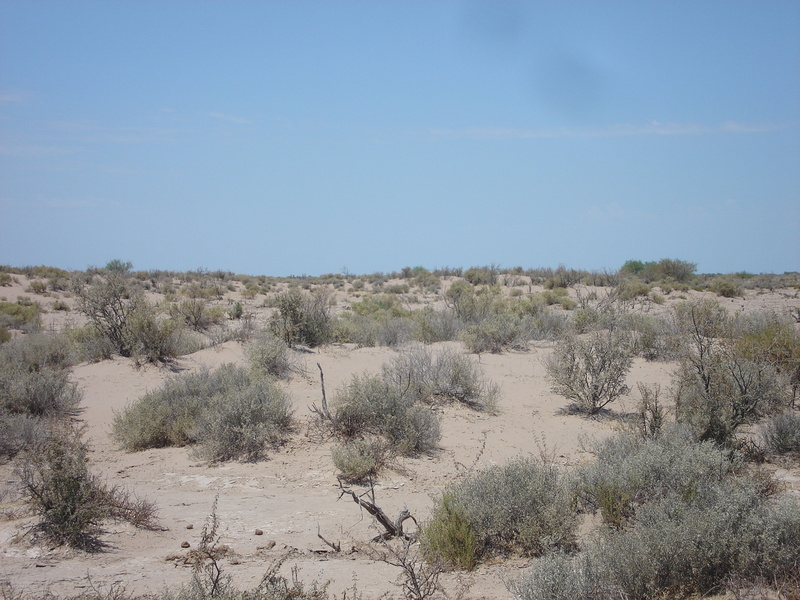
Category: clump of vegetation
<point>118,311</point>
<point>684,520</point>
<point>370,405</point>
<point>70,501</point>
<point>269,355</point>
<point>717,386</point>
<point>781,434</point>
<point>591,371</point>
<point>303,318</point>
<point>34,379</point>
<point>524,506</point>
<point>358,459</point>
<point>23,314</point>
<point>229,413</point>
<point>444,376</point>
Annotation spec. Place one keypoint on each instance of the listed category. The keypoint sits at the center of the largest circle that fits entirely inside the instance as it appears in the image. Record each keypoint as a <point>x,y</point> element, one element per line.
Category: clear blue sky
<point>295,137</point>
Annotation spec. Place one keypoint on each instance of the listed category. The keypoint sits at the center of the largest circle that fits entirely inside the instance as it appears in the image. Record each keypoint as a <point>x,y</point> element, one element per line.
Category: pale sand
<point>293,494</point>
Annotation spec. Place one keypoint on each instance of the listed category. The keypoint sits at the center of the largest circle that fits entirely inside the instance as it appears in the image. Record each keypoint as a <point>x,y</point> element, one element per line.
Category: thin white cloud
<point>17,96</point>
<point>229,118</point>
<point>619,130</point>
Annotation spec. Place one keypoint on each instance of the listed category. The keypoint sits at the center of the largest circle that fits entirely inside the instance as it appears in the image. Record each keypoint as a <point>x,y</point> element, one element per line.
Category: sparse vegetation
<point>524,506</point>
<point>591,372</point>
<point>228,413</point>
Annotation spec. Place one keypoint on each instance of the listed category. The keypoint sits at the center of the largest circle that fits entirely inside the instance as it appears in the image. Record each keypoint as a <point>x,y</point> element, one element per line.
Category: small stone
<point>259,532</point>
<point>190,526</point>
<point>184,544</point>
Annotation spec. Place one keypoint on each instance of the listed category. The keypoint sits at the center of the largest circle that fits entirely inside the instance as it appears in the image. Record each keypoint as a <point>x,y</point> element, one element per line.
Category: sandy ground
<point>294,494</point>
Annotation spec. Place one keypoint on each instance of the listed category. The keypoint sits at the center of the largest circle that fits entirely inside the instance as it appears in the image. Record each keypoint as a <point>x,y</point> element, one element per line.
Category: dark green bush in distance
<point>781,434</point>
<point>229,413</point>
<point>523,507</point>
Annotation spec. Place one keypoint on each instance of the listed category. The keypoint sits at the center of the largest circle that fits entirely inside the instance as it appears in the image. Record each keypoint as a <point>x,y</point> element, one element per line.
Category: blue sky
<point>298,137</point>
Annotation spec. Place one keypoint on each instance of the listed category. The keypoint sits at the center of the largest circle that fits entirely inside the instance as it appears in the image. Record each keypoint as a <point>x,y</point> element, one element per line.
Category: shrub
<point>447,376</point>
<point>449,538</point>
<point>359,459</point>
<point>20,314</point>
<point>70,501</point>
<point>496,333</point>
<point>718,387</point>
<point>270,355</point>
<point>20,431</point>
<point>109,303</point>
<point>591,371</point>
<point>630,470</point>
<point>524,506</point>
<point>194,313</point>
<point>683,540</point>
<point>726,288</point>
<point>370,405</point>
<point>781,434</point>
<point>303,318</point>
<point>228,412</point>
<point>437,325</point>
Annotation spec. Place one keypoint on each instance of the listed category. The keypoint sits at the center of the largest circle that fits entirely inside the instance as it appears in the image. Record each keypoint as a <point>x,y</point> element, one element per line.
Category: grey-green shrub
<point>269,355</point>
<point>525,506</point>
<point>497,332</point>
<point>694,529</point>
<point>446,375</point>
<point>591,371</point>
<point>358,459</point>
<point>303,318</point>
<point>781,433</point>
<point>70,501</point>
<point>229,412</point>
<point>371,405</point>
<point>720,384</point>
<point>630,470</point>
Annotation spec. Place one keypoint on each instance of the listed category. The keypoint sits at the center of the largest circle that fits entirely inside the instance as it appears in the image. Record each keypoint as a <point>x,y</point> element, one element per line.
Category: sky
<point>303,138</point>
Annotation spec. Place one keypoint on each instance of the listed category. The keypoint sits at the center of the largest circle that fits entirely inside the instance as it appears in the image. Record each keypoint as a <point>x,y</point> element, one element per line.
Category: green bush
<point>228,413</point>
<point>449,538</point>
<point>591,371</point>
<point>781,434</point>
<point>524,506</point>
<point>21,314</point>
<point>70,501</point>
